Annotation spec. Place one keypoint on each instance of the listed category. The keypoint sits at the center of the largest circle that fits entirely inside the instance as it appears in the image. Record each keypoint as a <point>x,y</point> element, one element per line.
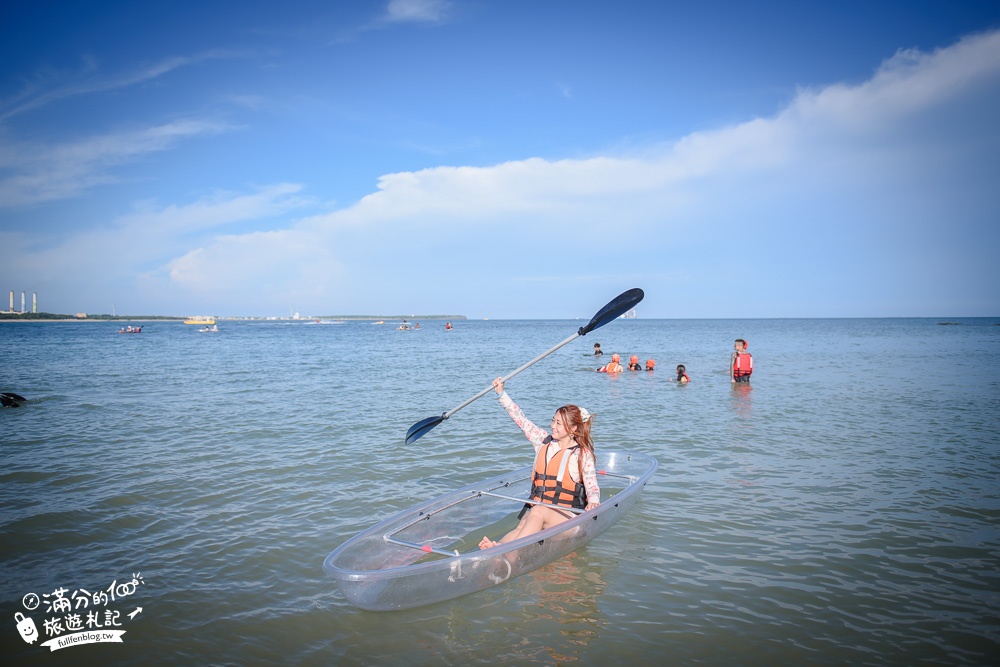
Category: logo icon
<point>26,626</point>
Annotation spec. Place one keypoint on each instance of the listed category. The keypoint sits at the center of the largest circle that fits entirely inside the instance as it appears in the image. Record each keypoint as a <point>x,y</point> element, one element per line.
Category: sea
<point>168,498</point>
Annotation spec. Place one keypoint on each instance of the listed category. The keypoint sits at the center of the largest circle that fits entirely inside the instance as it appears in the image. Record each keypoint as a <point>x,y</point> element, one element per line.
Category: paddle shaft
<point>610,311</point>
<point>512,374</point>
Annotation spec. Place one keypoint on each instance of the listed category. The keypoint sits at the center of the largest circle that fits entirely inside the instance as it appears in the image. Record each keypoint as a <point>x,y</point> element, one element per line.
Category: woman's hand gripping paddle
<point>621,304</point>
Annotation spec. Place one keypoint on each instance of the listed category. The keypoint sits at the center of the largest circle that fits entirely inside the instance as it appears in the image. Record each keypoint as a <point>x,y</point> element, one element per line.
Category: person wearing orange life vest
<point>633,363</point>
<point>564,472</point>
<point>740,363</point>
<point>613,366</point>
<point>682,375</point>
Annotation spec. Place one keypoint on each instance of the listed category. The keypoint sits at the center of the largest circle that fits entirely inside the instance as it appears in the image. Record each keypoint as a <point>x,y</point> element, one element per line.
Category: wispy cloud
<point>38,173</point>
<point>417,11</point>
<point>869,149</point>
<point>878,167</point>
<point>49,86</point>
<point>218,210</point>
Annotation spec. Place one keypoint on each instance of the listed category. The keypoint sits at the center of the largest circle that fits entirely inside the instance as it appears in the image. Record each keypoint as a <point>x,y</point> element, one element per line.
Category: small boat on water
<point>430,553</point>
<point>200,320</point>
<point>212,329</point>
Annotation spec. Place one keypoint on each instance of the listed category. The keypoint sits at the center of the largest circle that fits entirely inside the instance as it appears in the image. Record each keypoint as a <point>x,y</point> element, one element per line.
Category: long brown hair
<point>579,429</point>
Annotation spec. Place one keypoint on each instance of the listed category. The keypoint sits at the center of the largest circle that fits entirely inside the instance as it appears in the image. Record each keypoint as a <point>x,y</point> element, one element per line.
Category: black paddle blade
<point>421,427</point>
<point>622,303</point>
<point>11,400</point>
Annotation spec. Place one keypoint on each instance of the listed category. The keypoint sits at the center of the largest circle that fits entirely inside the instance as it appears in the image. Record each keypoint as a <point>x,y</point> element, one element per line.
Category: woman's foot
<point>487,543</point>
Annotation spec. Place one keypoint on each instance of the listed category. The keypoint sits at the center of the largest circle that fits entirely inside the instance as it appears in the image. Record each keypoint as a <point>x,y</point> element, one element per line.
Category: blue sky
<point>514,159</point>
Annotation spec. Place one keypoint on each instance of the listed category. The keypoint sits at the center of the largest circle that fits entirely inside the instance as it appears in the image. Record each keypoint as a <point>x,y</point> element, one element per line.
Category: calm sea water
<point>844,509</point>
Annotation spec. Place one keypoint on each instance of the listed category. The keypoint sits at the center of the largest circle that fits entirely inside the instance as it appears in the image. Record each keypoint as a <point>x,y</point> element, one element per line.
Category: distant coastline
<point>55,317</point>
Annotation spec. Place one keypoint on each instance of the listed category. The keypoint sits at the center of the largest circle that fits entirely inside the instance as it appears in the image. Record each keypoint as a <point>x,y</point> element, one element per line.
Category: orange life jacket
<point>743,366</point>
<point>552,482</point>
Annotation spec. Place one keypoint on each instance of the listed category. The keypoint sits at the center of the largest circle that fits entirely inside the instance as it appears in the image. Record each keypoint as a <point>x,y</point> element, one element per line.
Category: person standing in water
<point>740,363</point>
<point>597,350</point>
<point>614,366</point>
<point>565,470</point>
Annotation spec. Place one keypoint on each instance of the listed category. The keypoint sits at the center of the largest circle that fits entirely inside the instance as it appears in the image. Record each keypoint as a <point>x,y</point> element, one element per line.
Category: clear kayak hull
<point>430,553</point>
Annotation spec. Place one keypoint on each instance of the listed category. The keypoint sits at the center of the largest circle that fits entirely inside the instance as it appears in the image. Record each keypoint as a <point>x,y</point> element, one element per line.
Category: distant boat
<point>627,315</point>
<point>213,328</point>
<point>379,322</point>
<point>200,320</point>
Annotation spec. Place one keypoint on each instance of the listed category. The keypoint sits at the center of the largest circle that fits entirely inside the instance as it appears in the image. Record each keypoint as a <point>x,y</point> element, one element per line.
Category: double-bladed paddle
<point>621,304</point>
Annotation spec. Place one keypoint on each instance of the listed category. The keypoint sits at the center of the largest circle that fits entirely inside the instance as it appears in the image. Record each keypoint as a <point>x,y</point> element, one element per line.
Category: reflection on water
<point>568,591</point>
<point>742,400</point>
<point>562,604</point>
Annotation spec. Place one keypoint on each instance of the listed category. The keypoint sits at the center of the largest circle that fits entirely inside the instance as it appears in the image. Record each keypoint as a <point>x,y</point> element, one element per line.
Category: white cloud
<point>842,156</point>
<point>846,184</point>
<point>905,84</point>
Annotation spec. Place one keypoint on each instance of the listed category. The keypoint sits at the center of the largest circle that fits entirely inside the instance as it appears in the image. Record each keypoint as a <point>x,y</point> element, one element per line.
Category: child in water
<point>633,363</point>
<point>650,365</point>
<point>597,350</point>
<point>682,375</point>
<point>740,363</point>
<point>569,451</point>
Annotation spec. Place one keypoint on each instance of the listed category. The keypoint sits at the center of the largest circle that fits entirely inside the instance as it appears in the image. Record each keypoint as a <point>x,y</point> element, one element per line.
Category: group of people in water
<point>564,474</point>
<point>131,329</point>
<point>740,364</point>
<point>615,366</point>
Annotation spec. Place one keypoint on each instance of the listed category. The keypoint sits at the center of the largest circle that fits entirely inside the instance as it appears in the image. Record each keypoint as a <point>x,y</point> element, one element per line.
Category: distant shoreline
<point>167,318</point>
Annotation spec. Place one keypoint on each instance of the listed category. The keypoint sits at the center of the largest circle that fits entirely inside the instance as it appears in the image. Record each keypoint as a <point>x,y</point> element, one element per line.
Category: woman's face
<point>559,430</point>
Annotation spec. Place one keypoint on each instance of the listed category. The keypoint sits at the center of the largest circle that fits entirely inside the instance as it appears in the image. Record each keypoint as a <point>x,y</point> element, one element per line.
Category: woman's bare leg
<point>536,520</point>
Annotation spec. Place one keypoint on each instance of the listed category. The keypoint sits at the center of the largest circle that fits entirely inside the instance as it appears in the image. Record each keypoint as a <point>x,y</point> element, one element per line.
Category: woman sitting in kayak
<point>565,470</point>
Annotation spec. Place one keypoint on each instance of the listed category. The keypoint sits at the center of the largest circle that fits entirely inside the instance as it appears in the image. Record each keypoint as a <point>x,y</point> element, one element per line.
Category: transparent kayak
<point>430,553</point>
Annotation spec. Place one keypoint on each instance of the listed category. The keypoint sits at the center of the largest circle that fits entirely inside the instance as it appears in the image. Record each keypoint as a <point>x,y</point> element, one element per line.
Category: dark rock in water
<point>10,400</point>
<point>944,324</point>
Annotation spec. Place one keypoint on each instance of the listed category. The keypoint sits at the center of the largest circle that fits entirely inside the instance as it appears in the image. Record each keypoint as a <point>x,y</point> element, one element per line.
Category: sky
<point>501,158</point>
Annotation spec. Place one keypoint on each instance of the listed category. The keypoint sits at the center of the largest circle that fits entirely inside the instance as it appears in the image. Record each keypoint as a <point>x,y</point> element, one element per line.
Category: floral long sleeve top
<point>539,437</point>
